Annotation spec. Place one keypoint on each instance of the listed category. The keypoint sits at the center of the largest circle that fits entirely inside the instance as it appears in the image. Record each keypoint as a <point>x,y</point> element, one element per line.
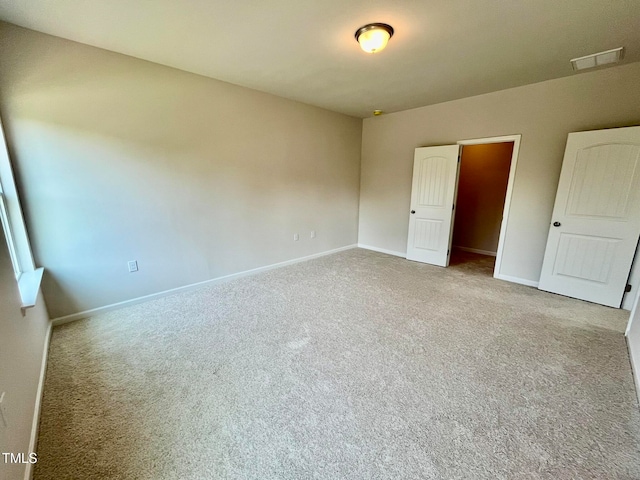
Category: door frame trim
<point>507,199</point>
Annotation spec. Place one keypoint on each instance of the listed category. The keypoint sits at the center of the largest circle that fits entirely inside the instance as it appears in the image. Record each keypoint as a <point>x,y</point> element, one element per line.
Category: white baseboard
<point>634,371</point>
<point>521,281</point>
<point>383,250</point>
<point>476,250</point>
<point>33,440</point>
<point>115,306</point>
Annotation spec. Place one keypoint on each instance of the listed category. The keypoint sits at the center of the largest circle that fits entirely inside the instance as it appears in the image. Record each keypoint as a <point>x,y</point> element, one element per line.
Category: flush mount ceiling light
<point>597,59</point>
<point>374,36</point>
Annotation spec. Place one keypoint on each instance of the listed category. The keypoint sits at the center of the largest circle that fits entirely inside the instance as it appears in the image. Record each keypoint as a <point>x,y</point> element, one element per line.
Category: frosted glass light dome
<point>374,36</point>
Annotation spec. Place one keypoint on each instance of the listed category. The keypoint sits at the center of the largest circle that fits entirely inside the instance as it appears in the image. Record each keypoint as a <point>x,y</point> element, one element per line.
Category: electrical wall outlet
<point>313,234</point>
<point>133,266</point>
<point>296,237</point>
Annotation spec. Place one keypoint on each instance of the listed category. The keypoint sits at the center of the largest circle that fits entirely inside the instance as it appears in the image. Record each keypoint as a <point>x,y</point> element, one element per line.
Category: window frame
<point>6,228</point>
<point>28,277</point>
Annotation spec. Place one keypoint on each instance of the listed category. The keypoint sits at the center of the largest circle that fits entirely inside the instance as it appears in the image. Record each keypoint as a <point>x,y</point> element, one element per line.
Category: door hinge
<point>459,157</point>
<point>627,289</point>
<point>453,207</point>
<point>448,252</point>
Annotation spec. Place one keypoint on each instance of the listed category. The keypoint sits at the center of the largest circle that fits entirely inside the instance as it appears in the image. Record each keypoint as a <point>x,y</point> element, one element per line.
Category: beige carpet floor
<point>356,365</point>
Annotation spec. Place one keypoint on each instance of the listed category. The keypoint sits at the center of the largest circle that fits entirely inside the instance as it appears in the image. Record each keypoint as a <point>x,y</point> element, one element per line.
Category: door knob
<point>556,224</point>
<point>413,211</point>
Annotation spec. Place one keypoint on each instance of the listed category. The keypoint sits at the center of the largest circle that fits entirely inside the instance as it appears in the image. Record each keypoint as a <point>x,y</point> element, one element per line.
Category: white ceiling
<point>305,49</point>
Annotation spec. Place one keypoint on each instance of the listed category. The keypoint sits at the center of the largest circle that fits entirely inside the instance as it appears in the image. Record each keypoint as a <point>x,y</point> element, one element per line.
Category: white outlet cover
<point>133,266</point>
<point>3,417</point>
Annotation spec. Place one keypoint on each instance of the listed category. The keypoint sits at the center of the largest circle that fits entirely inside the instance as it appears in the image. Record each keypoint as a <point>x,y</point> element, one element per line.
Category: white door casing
<point>633,341</point>
<point>634,281</point>
<point>515,139</point>
<point>596,217</point>
<point>433,191</point>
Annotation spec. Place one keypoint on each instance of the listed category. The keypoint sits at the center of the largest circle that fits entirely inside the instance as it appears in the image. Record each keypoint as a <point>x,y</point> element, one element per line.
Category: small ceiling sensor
<point>598,59</point>
<point>373,37</point>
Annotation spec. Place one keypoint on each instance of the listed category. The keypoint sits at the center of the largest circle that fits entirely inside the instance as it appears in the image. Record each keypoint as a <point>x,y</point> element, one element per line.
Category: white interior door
<point>596,217</point>
<point>435,179</point>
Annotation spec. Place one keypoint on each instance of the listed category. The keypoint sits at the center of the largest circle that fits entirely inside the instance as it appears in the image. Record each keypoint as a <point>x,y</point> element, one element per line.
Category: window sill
<point>29,285</point>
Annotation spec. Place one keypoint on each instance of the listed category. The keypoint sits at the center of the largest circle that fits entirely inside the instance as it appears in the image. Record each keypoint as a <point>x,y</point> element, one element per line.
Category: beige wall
<point>543,113</point>
<point>482,185</point>
<point>22,344</point>
<point>120,159</point>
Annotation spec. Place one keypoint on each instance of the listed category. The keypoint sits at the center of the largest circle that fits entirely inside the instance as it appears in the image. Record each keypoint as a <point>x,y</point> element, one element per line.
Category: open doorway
<point>434,194</point>
<point>482,188</point>
<point>487,174</point>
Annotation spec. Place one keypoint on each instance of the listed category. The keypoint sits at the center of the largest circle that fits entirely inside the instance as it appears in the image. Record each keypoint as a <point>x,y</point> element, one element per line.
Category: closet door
<point>596,218</point>
<point>435,179</point>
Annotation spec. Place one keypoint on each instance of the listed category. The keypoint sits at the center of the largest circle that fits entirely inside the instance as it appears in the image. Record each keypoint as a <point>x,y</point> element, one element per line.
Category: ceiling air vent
<point>597,59</point>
